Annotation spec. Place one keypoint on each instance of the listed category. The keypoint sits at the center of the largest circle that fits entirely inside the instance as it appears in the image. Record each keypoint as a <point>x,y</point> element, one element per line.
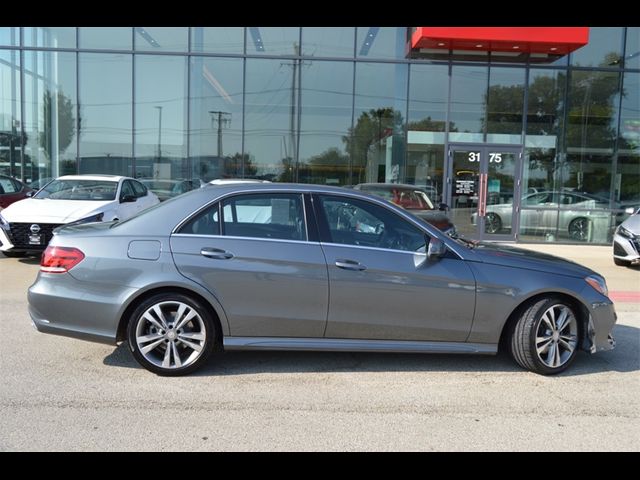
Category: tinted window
<point>264,216</point>
<point>357,222</point>
<point>205,223</point>
<point>140,189</point>
<point>7,186</point>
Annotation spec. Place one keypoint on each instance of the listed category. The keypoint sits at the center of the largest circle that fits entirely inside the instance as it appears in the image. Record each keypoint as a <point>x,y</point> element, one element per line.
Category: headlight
<point>93,218</point>
<point>598,284</point>
<point>3,222</point>
<point>624,232</point>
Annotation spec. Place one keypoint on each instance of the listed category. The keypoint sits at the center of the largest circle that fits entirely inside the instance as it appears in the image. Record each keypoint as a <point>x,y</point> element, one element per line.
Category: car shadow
<point>624,358</point>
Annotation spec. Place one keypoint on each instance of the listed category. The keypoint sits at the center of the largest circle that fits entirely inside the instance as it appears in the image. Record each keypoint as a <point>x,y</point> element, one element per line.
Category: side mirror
<point>436,249</point>
<point>128,199</point>
<point>444,207</point>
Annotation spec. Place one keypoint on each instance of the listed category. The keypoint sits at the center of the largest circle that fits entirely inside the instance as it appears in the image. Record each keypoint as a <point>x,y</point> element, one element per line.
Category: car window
<point>277,215</point>
<point>127,189</point>
<point>357,222</point>
<point>78,189</point>
<point>7,186</point>
<point>139,189</point>
<point>205,223</point>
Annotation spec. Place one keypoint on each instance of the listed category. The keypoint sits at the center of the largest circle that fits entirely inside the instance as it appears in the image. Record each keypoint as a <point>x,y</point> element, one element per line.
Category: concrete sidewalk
<point>623,282</point>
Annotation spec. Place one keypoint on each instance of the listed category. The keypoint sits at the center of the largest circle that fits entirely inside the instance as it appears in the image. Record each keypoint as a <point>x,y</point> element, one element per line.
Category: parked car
<point>273,266</point>
<point>29,225</point>
<point>227,181</point>
<point>540,212</point>
<point>626,241</point>
<point>166,188</point>
<point>12,190</point>
<point>413,199</point>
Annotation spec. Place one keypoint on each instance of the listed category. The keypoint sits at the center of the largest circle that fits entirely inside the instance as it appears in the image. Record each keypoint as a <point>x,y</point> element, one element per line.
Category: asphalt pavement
<point>60,394</point>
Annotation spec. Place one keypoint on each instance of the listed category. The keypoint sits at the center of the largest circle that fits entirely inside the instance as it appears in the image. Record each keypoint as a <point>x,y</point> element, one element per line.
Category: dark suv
<point>414,199</point>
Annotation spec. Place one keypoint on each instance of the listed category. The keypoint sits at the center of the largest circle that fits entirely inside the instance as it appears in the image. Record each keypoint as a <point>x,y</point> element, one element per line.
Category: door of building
<point>484,190</point>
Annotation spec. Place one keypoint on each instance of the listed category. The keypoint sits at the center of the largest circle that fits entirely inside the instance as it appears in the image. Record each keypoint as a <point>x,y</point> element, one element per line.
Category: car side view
<point>291,267</point>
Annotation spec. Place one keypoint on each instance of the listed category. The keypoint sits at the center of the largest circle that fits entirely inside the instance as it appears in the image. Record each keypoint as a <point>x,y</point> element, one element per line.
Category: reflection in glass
<point>112,38</point>
<point>273,40</point>
<point>377,141</point>
<point>216,117</point>
<point>632,50</point>
<point>10,36</point>
<point>270,143</point>
<point>505,104</point>
<point>603,50</point>
<point>11,137</point>
<point>105,123</point>
<point>160,116</point>
<point>328,41</point>
<point>381,42</point>
<point>217,40</point>
<point>468,96</point>
<point>627,182</point>
<point>51,37</point>
<point>327,89</point>
<point>161,39</point>
<point>428,96</point>
<point>50,114</point>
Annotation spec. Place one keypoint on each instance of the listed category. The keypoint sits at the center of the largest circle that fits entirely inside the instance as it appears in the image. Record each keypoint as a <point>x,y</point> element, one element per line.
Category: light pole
<point>159,107</point>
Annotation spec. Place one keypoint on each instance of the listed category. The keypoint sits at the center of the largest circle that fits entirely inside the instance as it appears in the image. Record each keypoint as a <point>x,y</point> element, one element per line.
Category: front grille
<point>20,232</point>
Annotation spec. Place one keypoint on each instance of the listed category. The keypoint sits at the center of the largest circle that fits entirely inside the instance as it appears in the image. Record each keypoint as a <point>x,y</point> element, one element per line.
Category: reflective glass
<point>216,117</point>
<point>273,40</point>
<point>632,50</point>
<point>327,89</point>
<point>105,98</point>
<point>161,39</point>
<point>381,42</point>
<point>50,116</point>
<point>52,37</point>
<point>603,50</point>
<point>428,95</point>
<point>468,103</point>
<point>161,117</point>
<point>505,105</point>
<point>328,41</point>
<point>217,39</point>
<point>377,140</point>
<point>627,181</point>
<point>10,36</point>
<point>111,38</point>
<point>11,136</point>
<point>270,118</point>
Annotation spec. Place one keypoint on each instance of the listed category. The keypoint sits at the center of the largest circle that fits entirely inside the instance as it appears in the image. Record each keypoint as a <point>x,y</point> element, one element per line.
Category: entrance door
<point>484,191</point>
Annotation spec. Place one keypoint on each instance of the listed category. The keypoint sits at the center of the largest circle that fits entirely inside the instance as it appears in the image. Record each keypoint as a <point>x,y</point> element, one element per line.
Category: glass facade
<point>337,106</point>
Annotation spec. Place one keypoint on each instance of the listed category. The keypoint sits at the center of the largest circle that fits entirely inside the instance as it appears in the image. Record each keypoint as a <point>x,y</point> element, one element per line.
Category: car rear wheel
<point>579,228</point>
<point>492,223</point>
<point>171,334</point>
<point>546,337</point>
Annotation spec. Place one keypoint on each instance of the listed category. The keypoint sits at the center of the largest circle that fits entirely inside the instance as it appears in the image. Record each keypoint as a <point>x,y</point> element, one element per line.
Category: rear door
<point>261,263</point>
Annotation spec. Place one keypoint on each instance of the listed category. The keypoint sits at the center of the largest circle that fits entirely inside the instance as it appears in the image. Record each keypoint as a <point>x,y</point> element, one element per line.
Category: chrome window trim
<point>233,237</point>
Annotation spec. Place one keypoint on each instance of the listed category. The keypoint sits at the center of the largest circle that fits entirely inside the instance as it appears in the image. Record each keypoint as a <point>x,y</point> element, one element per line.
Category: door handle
<point>216,253</point>
<point>350,265</point>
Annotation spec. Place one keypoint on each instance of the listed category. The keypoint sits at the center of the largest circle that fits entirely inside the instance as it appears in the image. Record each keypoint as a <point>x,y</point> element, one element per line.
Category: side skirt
<point>344,345</point>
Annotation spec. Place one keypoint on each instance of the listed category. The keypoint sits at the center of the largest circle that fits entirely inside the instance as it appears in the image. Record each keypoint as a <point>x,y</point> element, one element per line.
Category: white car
<point>28,225</point>
<point>626,241</point>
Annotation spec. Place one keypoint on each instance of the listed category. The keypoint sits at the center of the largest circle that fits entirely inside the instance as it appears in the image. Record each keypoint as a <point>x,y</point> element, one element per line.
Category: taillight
<point>60,259</point>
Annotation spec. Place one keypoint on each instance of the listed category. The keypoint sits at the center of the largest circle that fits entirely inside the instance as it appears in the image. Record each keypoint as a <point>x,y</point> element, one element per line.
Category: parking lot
<point>63,394</point>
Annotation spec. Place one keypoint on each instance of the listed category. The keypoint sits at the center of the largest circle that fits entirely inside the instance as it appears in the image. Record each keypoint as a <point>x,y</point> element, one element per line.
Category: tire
<point>175,342</point>
<point>579,229</point>
<point>15,254</point>
<point>621,263</point>
<point>492,223</point>
<point>538,345</point>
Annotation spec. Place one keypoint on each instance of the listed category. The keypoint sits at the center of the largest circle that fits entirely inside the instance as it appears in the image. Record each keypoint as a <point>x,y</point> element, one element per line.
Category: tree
<point>64,126</point>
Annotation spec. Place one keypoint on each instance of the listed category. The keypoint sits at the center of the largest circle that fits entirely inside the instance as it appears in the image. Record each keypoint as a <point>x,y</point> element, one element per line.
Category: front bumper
<point>626,249</point>
<point>602,318</point>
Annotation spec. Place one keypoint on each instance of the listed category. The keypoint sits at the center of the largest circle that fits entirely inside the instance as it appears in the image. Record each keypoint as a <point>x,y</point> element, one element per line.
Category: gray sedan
<point>293,267</point>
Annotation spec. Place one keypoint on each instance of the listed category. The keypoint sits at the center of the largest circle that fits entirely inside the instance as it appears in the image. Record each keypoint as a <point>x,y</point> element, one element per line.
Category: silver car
<point>626,241</point>
<point>291,267</point>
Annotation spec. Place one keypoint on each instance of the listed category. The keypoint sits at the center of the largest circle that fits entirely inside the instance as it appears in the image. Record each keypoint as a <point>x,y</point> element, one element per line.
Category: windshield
<point>98,190</point>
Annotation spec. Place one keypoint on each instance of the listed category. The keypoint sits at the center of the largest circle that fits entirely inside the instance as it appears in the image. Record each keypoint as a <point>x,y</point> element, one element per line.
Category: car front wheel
<point>546,336</point>
<point>171,334</point>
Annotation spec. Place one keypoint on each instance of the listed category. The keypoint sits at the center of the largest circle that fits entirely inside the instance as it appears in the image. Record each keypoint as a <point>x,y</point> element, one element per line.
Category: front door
<point>484,194</point>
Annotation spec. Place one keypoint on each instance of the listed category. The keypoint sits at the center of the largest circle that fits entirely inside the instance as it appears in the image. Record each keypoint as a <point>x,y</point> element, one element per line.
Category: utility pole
<point>224,118</point>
